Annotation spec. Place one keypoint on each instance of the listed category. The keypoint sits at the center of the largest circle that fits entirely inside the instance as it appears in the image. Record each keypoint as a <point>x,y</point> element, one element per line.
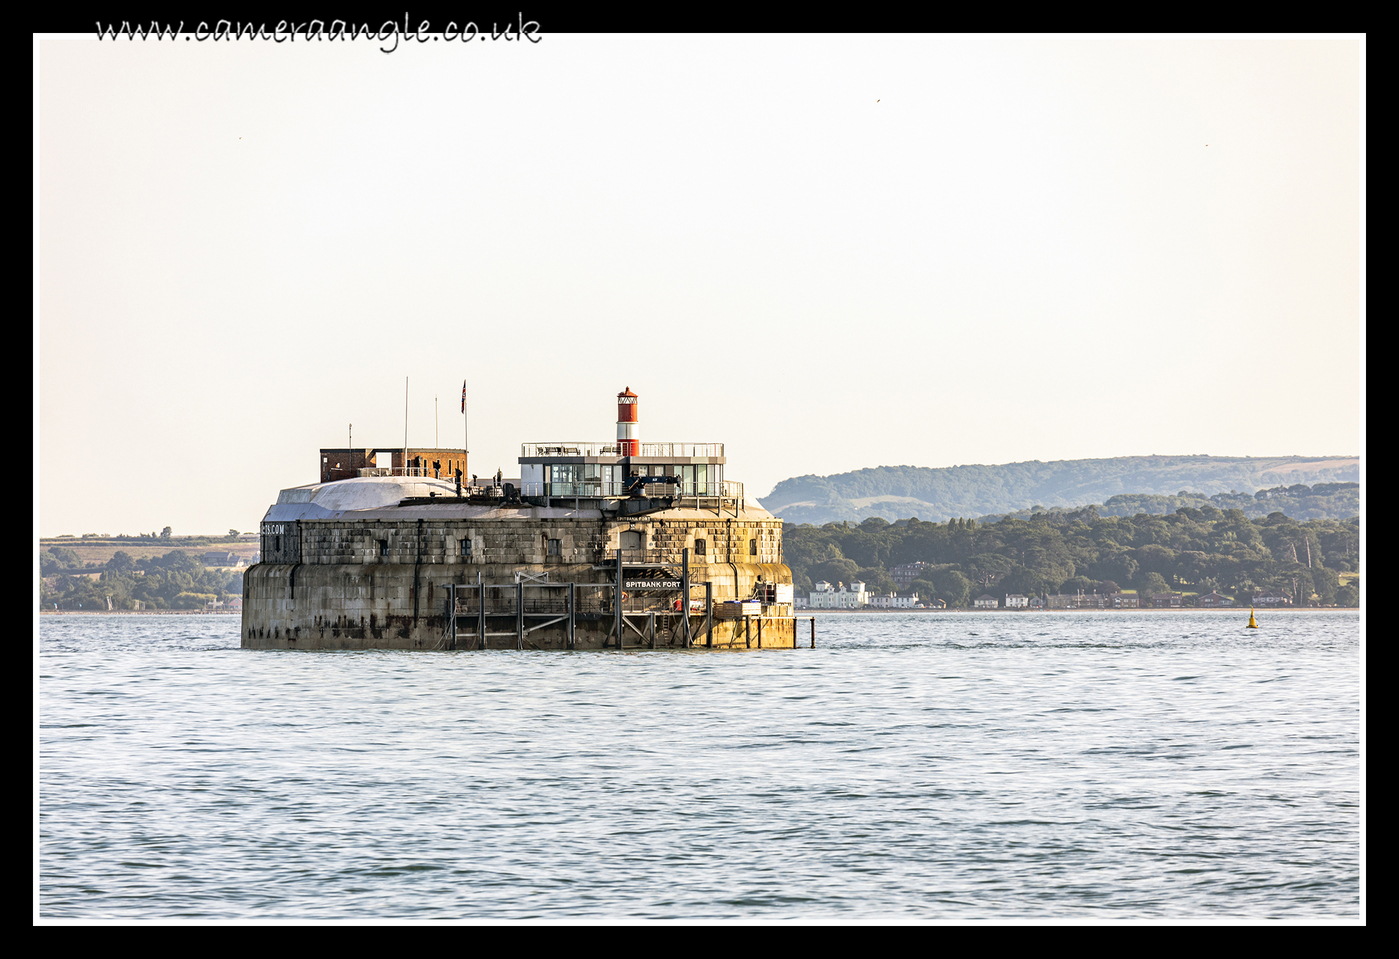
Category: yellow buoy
<point>1252,623</point>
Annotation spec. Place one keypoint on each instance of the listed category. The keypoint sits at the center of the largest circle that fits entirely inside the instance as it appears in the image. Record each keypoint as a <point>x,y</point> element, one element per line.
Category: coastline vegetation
<point>1123,486</point>
<point>1202,545</point>
<point>176,580</point>
<point>1192,550</point>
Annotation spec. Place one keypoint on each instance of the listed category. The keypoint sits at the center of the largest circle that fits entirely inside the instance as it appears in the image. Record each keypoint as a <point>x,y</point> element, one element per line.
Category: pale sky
<point>827,252</point>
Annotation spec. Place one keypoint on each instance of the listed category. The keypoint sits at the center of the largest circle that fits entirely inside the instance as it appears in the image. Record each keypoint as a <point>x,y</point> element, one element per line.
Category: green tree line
<point>892,492</point>
<point>176,580</point>
<point>1198,550</point>
<point>1300,501</point>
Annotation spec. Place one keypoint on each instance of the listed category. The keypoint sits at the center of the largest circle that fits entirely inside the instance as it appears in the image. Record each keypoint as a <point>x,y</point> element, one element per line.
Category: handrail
<point>682,450</point>
<point>470,606</point>
<point>424,472</point>
<point>726,490</point>
<point>581,448</point>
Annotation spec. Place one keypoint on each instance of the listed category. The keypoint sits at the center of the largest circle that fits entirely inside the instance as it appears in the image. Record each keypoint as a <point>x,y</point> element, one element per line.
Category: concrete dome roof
<point>325,500</point>
<point>368,493</point>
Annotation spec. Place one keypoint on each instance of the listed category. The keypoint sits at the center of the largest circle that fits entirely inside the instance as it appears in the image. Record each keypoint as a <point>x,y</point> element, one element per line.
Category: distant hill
<point>900,492</point>
<point>94,550</point>
<point>1299,501</point>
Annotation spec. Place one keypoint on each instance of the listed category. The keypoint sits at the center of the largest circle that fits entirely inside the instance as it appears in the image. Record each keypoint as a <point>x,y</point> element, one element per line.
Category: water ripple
<point>909,768</point>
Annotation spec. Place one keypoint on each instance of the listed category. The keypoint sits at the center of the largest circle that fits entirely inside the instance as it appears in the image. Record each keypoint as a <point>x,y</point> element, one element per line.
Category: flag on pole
<point>463,396</point>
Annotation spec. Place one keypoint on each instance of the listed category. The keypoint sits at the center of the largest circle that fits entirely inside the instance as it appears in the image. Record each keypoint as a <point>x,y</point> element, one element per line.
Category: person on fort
<point>436,469</point>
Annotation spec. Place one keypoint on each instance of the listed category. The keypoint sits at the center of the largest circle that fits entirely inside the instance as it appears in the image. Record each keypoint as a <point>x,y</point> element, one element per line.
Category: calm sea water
<point>912,767</point>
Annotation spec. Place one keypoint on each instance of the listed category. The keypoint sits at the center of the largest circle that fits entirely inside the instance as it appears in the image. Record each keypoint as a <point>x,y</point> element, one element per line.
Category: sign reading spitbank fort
<point>596,545</point>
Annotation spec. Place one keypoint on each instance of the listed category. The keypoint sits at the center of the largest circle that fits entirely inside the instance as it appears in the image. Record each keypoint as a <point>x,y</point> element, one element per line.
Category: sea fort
<point>614,545</point>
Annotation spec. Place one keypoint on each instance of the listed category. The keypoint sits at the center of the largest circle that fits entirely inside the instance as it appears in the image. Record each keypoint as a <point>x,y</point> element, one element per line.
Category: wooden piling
<point>452,616</point>
<point>685,634</point>
<point>709,615</point>
<point>572,605</point>
<point>685,593</point>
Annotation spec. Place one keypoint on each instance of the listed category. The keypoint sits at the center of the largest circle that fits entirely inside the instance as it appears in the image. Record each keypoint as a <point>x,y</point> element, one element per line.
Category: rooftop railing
<point>720,497</point>
<point>715,496</point>
<point>682,450</point>
<point>577,448</point>
<point>421,471</point>
<point>652,486</point>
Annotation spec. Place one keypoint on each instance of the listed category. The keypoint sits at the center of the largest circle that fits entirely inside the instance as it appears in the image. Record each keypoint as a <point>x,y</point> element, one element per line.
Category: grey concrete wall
<point>344,594</point>
<point>525,542</point>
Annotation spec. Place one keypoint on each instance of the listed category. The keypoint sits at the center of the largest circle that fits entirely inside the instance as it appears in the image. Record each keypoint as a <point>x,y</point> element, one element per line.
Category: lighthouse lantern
<point>628,440</point>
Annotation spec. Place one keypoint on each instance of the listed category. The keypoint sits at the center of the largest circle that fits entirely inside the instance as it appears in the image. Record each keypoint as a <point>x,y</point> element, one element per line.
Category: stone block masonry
<point>380,582</point>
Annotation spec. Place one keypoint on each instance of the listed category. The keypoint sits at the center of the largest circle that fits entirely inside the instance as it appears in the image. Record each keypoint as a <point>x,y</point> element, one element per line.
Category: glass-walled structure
<point>597,470</point>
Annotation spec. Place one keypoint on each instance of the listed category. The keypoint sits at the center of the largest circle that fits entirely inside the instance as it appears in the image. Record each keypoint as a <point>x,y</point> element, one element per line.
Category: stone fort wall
<point>362,584</point>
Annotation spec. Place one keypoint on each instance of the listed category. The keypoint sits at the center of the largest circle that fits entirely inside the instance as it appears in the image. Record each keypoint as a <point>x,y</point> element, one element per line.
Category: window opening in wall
<point>752,547</point>
<point>553,547</point>
<point>466,548</point>
<point>383,547</point>
<point>700,547</point>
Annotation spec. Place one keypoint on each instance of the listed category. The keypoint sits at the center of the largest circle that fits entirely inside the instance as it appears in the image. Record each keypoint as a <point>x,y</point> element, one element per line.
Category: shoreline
<point>801,613</point>
<point>1147,609</point>
<point>140,612</point>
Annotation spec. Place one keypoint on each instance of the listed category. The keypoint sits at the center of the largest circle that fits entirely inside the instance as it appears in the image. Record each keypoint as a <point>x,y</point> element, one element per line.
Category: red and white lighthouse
<point>628,441</point>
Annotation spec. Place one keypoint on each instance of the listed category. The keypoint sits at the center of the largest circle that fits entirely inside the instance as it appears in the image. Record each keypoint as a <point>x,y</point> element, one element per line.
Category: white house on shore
<point>826,596</point>
<point>894,601</point>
